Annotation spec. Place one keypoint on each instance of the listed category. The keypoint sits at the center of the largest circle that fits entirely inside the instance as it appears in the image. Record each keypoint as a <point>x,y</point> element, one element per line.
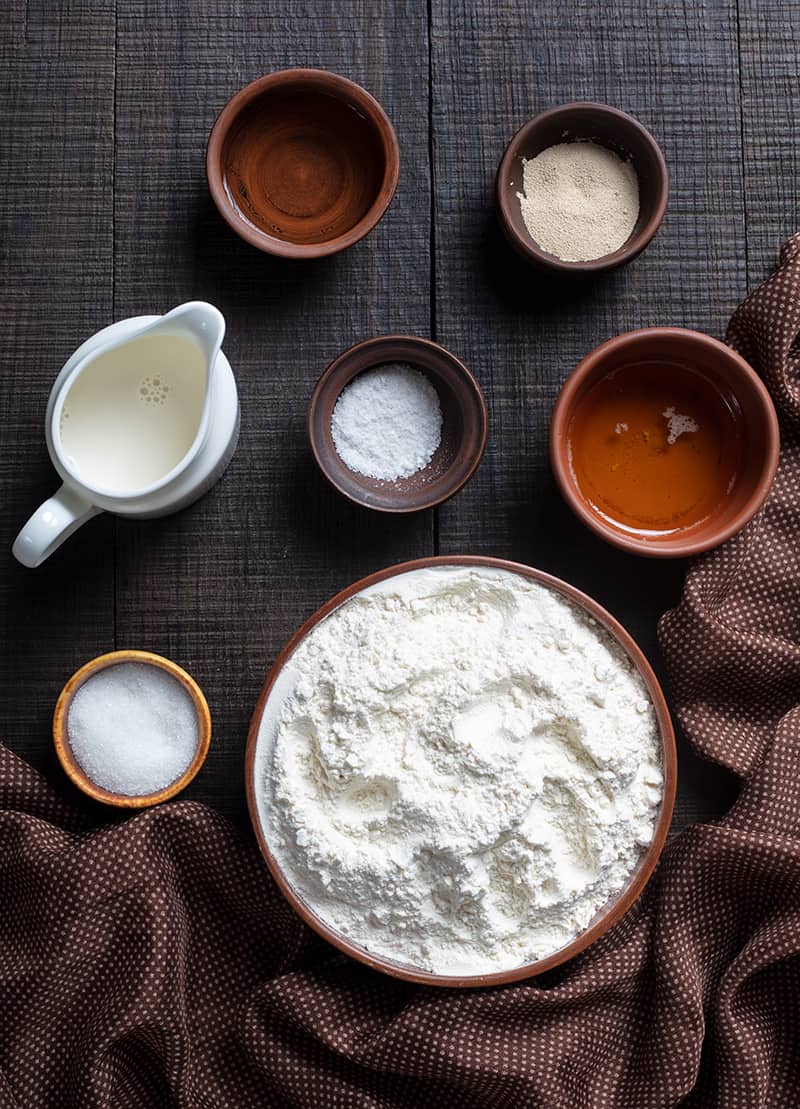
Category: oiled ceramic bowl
<point>746,398</point>
<point>302,163</point>
<point>598,123</point>
<point>75,771</point>
<point>259,739</point>
<point>465,425</point>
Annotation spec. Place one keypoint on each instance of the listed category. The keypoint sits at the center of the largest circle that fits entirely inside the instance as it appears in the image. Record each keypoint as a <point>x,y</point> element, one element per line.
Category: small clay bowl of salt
<point>581,189</point>
<point>397,424</point>
<point>131,728</point>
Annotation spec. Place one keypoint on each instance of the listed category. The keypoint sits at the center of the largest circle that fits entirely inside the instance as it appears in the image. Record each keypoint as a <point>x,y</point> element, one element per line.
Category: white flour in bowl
<point>463,769</point>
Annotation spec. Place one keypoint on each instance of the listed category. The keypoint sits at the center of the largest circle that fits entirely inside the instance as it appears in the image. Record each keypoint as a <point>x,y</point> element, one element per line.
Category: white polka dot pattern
<point>153,963</point>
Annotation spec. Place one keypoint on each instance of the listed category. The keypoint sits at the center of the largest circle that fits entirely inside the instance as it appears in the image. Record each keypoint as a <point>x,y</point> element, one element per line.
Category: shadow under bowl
<point>581,121</point>
<point>464,425</point>
<point>744,396</point>
<point>259,738</point>
<point>302,163</point>
<point>75,771</point>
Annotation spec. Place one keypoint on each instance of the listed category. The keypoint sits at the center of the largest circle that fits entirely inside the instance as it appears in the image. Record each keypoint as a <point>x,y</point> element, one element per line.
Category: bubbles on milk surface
<point>154,390</point>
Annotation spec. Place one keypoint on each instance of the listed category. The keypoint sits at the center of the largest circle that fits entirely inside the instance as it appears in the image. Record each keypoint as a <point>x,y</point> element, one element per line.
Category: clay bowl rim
<point>72,768</point>
<point>321,80</point>
<point>593,364</point>
<point>526,246</point>
<point>613,911</point>
<point>385,348</point>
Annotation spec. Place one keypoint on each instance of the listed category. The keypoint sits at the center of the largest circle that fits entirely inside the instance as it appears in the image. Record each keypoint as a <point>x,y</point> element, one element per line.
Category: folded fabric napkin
<point>154,962</point>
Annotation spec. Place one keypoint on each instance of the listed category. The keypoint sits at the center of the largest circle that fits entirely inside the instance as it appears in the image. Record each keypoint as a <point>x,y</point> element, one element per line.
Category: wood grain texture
<point>56,139</point>
<point>675,67</point>
<point>105,213</point>
<point>222,586</point>
<point>769,32</point>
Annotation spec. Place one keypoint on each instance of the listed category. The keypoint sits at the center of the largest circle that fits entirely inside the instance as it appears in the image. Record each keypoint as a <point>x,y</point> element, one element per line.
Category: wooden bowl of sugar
<point>397,424</point>
<point>581,189</point>
<point>131,728</point>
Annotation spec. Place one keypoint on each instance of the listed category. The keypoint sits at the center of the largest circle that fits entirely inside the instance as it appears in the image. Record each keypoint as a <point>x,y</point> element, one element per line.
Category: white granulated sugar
<point>387,423</point>
<point>133,728</point>
<point>463,768</point>
<point>580,201</point>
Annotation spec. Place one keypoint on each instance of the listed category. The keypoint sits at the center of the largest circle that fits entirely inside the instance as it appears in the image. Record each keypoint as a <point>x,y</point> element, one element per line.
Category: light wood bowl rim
<point>72,768</point>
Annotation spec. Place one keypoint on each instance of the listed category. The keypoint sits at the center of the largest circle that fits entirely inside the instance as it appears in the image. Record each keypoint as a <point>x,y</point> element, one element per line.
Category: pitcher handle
<point>52,523</point>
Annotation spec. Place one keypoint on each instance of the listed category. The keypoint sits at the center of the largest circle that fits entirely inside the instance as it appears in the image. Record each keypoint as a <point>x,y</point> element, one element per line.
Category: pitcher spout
<point>201,322</point>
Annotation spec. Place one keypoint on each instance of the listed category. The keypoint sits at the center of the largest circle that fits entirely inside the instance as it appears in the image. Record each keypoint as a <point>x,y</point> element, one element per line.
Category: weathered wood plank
<point>271,530</point>
<point>675,67</point>
<point>769,34</point>
<point>56,143</point>
<point>222,586</point>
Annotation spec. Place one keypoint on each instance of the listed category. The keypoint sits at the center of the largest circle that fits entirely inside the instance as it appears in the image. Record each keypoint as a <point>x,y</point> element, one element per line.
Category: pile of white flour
<point>465,767</point>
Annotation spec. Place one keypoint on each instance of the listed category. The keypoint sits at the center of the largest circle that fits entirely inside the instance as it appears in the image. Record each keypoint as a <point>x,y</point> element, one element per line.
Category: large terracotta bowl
<point>605,918</point>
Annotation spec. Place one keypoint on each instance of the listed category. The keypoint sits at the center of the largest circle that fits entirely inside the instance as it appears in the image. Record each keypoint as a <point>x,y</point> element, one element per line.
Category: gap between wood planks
<point>432,237</point>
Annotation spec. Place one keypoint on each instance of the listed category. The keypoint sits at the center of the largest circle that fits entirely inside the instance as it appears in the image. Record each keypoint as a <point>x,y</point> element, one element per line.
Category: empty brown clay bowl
<point>751,418</point>
<point>302,163</point>
<point>259,739</point>
<point>464,425</point>
<point>601,124</point>
<point>73,768</point>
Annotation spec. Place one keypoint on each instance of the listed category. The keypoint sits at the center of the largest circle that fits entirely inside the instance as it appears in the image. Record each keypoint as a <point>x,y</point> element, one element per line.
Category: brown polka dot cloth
<point>153,963</point>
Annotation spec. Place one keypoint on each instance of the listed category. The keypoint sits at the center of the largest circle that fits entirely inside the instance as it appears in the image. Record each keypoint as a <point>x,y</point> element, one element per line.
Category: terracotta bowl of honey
<point>664,441</point>
<point>302,163</point>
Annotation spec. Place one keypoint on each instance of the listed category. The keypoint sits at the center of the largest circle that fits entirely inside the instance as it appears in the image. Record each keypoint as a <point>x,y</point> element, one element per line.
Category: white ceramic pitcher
<point>199,468</point>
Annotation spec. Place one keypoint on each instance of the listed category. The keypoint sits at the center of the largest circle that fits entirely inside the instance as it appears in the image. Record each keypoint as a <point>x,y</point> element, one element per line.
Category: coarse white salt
<point>387,423</point>
<point>133,728</point>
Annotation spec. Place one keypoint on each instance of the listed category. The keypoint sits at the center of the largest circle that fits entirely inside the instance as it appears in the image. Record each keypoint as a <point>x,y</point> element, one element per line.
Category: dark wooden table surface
<point>105,213</point>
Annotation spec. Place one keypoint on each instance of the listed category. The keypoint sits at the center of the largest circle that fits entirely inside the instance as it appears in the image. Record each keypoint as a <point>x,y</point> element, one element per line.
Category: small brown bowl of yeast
<point>664,441</point>
<point>302,163</point>
<point>581,189</point>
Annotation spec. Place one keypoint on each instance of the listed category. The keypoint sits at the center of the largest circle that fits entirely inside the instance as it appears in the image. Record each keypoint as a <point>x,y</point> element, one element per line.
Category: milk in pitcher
<point>133,413</point>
